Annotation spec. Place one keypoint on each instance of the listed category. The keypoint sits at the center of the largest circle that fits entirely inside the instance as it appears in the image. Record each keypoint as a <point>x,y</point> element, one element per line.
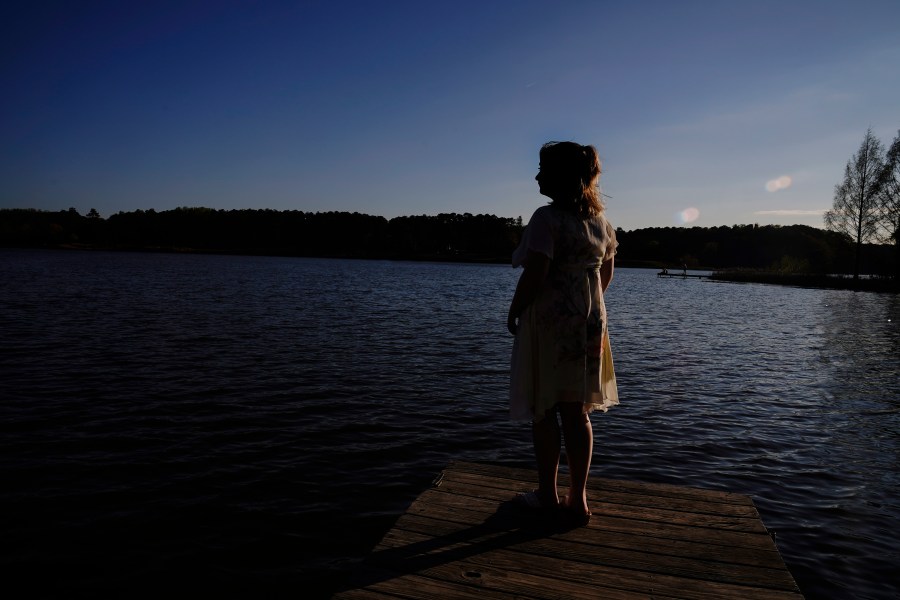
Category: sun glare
<point>689,215</point>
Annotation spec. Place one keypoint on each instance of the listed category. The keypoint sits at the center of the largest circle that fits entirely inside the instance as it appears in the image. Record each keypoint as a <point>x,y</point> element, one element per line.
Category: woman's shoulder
<point>544,216</point>
<point>544,211</point>
<point>600,219</point>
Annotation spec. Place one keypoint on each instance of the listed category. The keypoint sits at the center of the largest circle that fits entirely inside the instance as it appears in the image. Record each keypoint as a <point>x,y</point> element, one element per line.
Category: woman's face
<point>548,180</point>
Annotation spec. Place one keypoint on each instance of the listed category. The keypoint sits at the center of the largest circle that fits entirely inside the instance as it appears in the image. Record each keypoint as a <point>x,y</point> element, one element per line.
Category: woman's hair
<point>579,165</point>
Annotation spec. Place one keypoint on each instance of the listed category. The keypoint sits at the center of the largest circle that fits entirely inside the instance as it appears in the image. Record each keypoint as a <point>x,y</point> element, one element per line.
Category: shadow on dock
<point>463,538</point>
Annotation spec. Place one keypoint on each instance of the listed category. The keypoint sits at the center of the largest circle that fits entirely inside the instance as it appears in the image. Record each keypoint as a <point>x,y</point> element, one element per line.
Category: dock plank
<point>467,484</point>
<point>464,538</point>
<point>527,477</point>
<point>519,560</point>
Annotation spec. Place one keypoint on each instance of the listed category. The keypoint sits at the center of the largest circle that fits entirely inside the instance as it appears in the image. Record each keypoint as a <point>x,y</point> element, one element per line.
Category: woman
<point>561,362</point>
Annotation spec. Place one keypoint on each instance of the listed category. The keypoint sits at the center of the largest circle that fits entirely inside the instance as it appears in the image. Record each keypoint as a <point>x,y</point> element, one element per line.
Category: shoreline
<point>836,282</point>
<point>866,283</point>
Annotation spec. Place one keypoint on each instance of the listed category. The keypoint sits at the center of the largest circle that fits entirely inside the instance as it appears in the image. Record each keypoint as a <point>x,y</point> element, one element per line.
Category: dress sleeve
<point>538,237</point>
<point>613,242</point>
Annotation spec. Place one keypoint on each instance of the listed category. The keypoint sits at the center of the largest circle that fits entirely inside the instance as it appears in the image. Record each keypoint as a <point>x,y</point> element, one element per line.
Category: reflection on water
<point>260,422</point>
<point>789,395</point>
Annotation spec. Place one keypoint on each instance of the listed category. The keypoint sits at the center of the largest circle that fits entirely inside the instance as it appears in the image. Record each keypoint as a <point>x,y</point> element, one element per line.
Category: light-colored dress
<point>561,351</point>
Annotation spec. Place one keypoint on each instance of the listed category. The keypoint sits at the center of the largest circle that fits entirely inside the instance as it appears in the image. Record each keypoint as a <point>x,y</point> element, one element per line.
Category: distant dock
<point>462,538</point>
<point>682,275</point>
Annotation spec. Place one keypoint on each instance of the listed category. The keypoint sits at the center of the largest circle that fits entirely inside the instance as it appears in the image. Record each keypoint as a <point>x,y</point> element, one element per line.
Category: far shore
<point>866,283</point>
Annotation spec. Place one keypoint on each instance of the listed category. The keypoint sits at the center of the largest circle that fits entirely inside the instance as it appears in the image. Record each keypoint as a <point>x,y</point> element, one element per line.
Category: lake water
<point>251,426</point>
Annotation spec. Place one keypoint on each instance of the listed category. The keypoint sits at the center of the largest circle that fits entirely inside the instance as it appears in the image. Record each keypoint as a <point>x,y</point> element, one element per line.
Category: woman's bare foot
<point>576,511</point>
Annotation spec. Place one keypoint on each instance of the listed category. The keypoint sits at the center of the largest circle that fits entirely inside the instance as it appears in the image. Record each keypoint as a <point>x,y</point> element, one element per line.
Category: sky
<point>704,113</point>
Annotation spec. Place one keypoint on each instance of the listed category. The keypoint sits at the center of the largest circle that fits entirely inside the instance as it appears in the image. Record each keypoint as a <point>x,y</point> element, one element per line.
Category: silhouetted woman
<point>561,363</point>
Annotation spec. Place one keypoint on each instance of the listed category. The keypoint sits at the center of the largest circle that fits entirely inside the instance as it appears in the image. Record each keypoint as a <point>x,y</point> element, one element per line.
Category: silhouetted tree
<point>889,197</point>
<point>855,211</point>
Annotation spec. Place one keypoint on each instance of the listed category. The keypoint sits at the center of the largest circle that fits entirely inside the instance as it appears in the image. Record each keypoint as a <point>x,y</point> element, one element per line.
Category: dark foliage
<point>456,237</point>
<point>793,248</point>
<point>269,232</point>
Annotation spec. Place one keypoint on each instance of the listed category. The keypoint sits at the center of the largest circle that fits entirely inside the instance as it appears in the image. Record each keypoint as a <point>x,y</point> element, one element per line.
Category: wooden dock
<point>463,538</point>
<point>678,275</point>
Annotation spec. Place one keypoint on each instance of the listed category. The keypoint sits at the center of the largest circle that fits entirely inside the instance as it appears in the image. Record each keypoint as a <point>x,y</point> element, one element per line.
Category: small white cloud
<point>779,183</point>
<point>791,212</point>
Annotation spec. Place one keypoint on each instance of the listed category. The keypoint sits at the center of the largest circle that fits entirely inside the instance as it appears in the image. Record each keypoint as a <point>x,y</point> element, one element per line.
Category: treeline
<point>783,249</point>
<point>456,237</point>
<point>463,237</point>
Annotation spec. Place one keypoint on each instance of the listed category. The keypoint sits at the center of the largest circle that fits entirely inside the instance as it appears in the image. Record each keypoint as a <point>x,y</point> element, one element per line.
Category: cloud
<point>780,183</point>
<point>790,212</point>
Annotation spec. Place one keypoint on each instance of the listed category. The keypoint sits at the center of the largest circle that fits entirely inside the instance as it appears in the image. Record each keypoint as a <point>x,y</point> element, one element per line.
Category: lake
<point>252,426</point>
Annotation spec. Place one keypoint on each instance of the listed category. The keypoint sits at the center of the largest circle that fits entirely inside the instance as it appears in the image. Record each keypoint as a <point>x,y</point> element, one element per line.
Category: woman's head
<point>569,175</point>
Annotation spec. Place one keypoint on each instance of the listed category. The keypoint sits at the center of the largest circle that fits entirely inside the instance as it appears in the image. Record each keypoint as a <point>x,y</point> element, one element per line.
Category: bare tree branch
<point>888,192</point>
<point>857,208</point>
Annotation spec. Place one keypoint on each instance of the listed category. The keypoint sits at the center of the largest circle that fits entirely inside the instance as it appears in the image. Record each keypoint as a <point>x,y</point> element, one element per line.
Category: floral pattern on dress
<point>561,352</point>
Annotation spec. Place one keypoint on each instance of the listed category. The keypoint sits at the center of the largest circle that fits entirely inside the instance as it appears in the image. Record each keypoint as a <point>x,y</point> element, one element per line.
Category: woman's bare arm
<point>606,273</point>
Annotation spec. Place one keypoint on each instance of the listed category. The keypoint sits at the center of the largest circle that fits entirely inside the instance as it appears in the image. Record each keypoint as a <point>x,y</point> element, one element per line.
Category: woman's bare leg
<point>545,434</point>
<point>579,437</point>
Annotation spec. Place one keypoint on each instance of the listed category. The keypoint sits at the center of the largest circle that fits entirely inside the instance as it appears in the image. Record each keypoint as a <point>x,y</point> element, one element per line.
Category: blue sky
<point>704,113</point>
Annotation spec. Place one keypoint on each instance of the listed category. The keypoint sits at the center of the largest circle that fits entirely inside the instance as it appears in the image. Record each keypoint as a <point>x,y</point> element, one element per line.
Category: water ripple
<point>260,422</point>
